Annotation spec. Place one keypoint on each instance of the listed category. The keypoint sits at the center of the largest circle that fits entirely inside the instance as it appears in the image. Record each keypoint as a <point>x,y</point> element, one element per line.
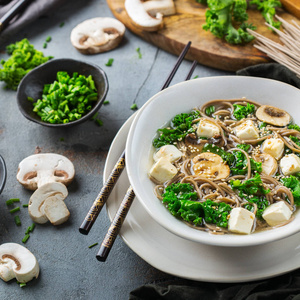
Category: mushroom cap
<point>97,35</point>
<point>17,262</point>
<point>38,169</point>
<point>148,15</point>
<point>273,115</point>
<point>38,198</point>
<point>269,164</point>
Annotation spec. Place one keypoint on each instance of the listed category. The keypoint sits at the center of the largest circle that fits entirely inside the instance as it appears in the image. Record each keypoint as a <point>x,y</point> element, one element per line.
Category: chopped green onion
<point>110,62</point>
<point>196,77</point>
<point>138,50</point>
<point>25,205</point>
<point>12,201</point>
<point>25,238</point>
<point>62,139</point>
<point>45,45</point>
<point>61,24</point>
<point>30,228</point>
<point>48,39</point>
<point>133,106</point>
<point>30,99</point>
<point>14,210</point>
<point>22,284</point>
<point>106,102</point>
<point>18,221</point>
<point>99,122</point>
<point>91,246</point>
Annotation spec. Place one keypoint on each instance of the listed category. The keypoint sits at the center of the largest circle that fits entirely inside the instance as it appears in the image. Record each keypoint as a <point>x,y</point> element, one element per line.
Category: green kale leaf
<point>241,111</point>
<point>293,183</point>
<point>181,125</point>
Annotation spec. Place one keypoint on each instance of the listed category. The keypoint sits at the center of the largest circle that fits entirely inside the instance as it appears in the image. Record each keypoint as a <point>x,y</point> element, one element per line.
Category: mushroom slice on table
<point>148,15</point>
<point>56,210</point>
<point>39,169</point>
<point>273,115</point>
<point>36,206</point>
<point>17,262</point>
<point>97,35</point>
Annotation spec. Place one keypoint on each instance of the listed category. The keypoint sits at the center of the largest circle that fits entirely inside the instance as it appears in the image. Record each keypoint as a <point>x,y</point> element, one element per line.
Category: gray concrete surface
<point>69,269</point>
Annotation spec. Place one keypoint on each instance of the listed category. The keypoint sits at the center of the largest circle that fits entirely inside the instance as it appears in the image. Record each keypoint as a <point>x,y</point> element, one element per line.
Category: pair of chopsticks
<point>15,9</point>
<point>111,181</point>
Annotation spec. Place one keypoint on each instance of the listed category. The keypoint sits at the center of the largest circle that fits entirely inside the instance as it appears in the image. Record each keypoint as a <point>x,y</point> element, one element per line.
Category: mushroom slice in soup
<point>268,163</point>
<point>211,166</point>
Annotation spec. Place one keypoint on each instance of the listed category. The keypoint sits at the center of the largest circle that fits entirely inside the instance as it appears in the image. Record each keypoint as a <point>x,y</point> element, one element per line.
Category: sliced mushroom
<point>193,144</point>
<point>17,262</point>
<point>56,210</point>
<point>148,15</point>
<point>268,163</point>
<point>38,169</point>
<point>273,115</point>
<point>211,166</point>
<point>97,35</point>
<point>36,203</point>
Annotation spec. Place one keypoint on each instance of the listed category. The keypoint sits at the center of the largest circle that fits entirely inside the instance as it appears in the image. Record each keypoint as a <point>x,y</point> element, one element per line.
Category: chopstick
<point>124,208</point>
<point>119,166</point>
<point>12,13</point>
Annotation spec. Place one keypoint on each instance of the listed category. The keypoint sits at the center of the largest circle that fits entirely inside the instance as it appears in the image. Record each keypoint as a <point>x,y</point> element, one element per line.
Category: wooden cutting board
<point>208,50</point>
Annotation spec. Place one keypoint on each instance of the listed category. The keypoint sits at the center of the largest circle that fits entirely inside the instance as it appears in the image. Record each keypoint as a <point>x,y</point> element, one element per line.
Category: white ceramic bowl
<point>183,97</point>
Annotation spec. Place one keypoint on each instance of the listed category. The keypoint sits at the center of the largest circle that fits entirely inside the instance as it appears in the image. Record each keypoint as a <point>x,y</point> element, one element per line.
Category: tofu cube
<point>274,147</point>
<point>241,220</point>
<point>290,164</point>
<point>207,129</point>
<point>277,213</point>
<point>170,152</point>
<point>56,210</point>
<point>163,170</point>
<point>246,131</point>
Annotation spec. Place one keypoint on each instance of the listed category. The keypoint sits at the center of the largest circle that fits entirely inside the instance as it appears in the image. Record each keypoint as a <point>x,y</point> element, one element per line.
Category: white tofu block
<point>241,220</point>
<point>163,170</point>
<point>277,213</point>
<point>246,131</point>
<point>56,210</point>
<point>290,164</point>
<point>274,147</point>
<point>170,152</point>
<point>207,129</point>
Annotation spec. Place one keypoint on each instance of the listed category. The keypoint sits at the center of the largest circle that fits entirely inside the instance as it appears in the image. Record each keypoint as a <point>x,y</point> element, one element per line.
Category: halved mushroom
<point>36,207</point>
<point>17,262</point>
<point>211,166</point>
<point>148,15</point>
<point>97,35</point>
<point>38,169</point>
<point>269,164</point>
<point>273,115</point>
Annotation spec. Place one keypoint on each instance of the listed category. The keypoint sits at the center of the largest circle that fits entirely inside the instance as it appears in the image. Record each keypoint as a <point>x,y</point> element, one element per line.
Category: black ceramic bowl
<point>3,174</point>
<point>33,83</point>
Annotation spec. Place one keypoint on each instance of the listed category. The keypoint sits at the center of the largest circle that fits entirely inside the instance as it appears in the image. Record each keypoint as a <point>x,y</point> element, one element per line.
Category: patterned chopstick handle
<point>103,196</point>
<point>116,225</point>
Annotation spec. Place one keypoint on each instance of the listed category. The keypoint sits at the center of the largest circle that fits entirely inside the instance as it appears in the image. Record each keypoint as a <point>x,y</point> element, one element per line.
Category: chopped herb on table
<point>133,106</point>
<point>67,99</point>
<point>24,57</point>
<point>91,246</point>
<point>138,50</point>
<point>110,62</point>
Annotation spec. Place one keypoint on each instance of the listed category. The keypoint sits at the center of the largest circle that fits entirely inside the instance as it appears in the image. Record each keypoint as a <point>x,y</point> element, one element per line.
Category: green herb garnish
<point>181,125</point>
<point>17,220</point>
<point>48,39</point>
<point>24,57</point>
<point>91,246</point>
<point>25,238</point>
<point>241,111</point>
<point>226,156</point>
<point>14,210</point>
<point>12,201</point>
<point>110,62</point>
<point>133,106</point>
<point>61,24</point>
<point>67,99</point>
<point>138,50</point>
<point>106,102</point>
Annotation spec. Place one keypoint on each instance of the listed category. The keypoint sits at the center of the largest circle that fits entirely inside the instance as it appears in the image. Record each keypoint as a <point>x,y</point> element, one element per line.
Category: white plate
<point>180,257</point>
